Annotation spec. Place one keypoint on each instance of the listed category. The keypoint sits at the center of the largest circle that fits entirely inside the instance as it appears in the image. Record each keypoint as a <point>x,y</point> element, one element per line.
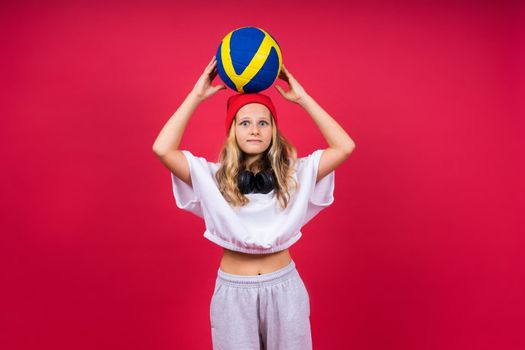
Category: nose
<point>254,130</point>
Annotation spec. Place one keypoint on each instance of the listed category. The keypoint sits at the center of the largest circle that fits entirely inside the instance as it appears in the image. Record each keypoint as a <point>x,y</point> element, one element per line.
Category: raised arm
<point>167,142</point>
<point>340,143</point>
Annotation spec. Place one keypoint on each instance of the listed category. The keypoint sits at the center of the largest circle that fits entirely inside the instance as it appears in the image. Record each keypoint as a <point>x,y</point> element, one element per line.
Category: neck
<point>250,159</point>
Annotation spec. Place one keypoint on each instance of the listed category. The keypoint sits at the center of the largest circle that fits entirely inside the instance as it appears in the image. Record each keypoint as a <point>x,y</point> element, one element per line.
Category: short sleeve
<point>321,193</point>
<point>188,197</point>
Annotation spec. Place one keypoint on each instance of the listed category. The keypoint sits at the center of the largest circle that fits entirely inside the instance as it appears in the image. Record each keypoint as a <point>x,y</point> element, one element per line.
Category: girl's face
<point>253,128</point>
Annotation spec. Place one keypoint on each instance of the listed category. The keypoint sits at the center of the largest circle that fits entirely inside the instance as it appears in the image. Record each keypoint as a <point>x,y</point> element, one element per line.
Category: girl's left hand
<point>296,92</point>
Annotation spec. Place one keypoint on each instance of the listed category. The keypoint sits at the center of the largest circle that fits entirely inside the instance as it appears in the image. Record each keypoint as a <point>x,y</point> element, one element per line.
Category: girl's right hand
<point>203,88</point>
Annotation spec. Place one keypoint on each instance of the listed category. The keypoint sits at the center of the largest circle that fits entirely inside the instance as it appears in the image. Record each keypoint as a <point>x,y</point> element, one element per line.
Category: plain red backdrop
<point>422,248</point>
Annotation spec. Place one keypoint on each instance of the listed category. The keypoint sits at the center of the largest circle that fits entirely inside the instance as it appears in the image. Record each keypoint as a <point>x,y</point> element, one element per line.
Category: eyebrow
<point>248,118</point>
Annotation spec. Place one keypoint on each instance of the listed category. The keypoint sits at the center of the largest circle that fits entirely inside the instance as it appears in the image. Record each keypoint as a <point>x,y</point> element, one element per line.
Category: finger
<point>282,91</point>
<point>211,63</point>
<point>284,73</point>
<point>283,76</point>
<point>287,72</point>
<point>218,88</point>
<point>210,68</point>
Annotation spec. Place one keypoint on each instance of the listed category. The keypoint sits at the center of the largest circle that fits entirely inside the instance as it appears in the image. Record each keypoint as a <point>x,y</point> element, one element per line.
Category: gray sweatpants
<point>264,312</point>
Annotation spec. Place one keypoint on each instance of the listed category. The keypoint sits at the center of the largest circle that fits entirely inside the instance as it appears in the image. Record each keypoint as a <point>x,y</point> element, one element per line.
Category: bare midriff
<point>238,263</point>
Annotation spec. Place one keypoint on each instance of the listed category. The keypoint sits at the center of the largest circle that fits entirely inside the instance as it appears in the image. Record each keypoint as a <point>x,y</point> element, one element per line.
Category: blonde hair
<point>281,156</point>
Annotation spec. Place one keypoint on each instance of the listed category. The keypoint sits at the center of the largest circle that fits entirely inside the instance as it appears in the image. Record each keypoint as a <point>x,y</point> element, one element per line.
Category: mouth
<point>254,141</point>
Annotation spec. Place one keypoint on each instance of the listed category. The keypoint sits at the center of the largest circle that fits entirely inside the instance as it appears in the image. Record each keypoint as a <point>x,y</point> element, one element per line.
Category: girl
<point>254,202</point>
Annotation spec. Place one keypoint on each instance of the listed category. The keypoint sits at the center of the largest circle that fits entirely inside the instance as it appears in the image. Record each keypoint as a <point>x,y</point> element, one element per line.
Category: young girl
<point>254,202</point>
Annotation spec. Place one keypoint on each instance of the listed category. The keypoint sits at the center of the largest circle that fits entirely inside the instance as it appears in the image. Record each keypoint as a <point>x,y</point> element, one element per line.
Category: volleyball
<point>249,59</point>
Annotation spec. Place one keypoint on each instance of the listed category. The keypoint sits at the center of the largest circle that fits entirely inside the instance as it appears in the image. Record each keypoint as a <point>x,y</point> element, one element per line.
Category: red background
<point>422,248</point>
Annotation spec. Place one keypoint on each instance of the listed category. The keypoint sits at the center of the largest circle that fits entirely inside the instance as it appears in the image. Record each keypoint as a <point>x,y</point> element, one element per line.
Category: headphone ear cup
<point>246,182</point>
<point>264,181</point>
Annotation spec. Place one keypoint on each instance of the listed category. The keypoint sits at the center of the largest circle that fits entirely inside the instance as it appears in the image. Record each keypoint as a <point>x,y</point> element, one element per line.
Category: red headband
<point>235,103</point>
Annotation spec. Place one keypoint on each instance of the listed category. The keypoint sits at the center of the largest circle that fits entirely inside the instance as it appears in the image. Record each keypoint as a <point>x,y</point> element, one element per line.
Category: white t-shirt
<point>261,226</point>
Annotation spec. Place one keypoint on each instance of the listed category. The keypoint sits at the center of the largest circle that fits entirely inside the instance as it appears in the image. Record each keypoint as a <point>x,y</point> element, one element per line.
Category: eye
<point>264,122</point>
<point>243,123</point>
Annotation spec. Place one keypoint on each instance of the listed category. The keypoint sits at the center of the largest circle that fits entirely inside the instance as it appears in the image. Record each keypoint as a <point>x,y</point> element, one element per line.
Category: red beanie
<point>235,103</point>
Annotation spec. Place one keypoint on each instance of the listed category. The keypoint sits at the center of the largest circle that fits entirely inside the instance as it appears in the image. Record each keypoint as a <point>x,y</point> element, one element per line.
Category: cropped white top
<point>261,226</point>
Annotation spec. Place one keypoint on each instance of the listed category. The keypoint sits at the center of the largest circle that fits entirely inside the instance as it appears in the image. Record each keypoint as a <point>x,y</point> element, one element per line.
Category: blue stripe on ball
<point>249,39</point>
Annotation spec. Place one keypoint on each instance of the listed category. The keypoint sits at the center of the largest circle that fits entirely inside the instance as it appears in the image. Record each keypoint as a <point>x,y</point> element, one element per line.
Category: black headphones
<point>262,182</point>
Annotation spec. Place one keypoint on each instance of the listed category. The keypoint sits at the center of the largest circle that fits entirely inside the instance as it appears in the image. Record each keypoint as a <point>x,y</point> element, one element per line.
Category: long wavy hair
<point>281,156</point>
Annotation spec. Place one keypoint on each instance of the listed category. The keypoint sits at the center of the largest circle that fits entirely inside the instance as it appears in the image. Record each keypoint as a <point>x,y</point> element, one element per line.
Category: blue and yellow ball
<point>249,60</point>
